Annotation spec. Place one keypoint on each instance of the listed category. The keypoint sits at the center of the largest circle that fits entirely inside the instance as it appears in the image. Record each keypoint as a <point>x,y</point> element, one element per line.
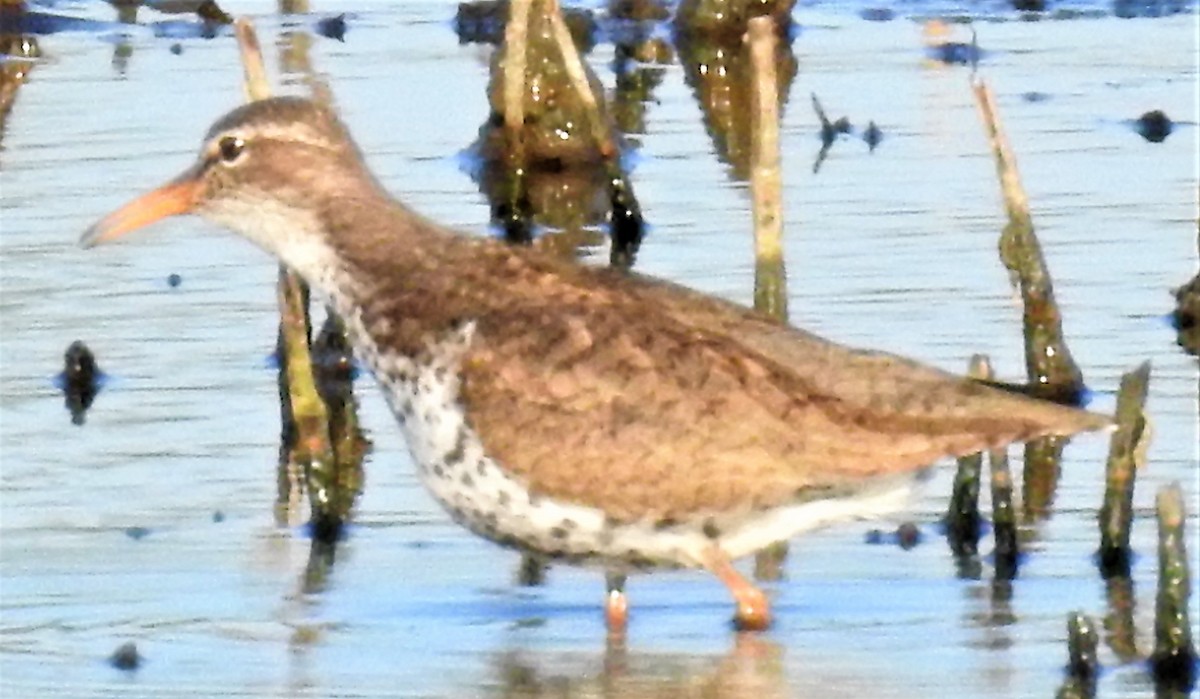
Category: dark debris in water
<point>907,536</point>
<point>137,533</point>
<point>873,136</point>
<point>1154,126</point>
<point>878,14</point>
<point>80,380</point>
<point>332,27</point>
<point>126,657</point>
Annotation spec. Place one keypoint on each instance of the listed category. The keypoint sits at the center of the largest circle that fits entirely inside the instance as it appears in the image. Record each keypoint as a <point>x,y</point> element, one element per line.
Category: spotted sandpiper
<point>583,414</point>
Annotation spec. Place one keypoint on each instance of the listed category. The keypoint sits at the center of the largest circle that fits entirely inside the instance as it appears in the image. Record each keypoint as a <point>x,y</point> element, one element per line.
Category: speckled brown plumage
<point>649,400</point>
<point>583,413</point>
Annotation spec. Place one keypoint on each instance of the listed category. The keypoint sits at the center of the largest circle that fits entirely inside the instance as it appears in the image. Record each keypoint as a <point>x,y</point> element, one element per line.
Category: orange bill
<point>176,197</point>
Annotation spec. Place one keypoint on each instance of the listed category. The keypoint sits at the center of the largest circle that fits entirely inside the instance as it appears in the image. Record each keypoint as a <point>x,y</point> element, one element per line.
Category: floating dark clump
<point>940,49</point>
<point>1029,5</point>
<point>174,280</point>
<point>332,27</point>
<point>126,657</point>
<point>176,48</point>
<point>873,136</point>
<point>878,14</point>
<point>137,533</point>
<point>907,536</point>
<point>1154,126</point>
<point>80,380</point>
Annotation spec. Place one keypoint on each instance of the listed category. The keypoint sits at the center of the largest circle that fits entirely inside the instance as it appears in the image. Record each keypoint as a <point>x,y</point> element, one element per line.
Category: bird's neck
<point>356,244</point>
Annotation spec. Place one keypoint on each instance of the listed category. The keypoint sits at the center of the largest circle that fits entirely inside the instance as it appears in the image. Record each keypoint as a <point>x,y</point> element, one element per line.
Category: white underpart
<point>476,490</point>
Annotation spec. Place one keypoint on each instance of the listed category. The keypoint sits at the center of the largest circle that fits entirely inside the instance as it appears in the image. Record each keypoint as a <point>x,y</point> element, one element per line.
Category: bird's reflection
<point>752,669</point>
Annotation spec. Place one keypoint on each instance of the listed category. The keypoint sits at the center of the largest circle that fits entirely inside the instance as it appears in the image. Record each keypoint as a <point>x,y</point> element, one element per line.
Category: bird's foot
<point>753,611</point>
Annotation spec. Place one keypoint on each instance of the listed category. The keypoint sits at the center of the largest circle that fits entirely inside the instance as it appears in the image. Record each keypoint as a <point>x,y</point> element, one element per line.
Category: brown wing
<point>649,400</point>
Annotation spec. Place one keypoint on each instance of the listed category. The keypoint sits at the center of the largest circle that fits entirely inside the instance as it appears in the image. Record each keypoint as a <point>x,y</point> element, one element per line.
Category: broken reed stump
<point>1052,371</point>
<point>1082,666</point>
<point>962,518</point>
<point>766,188</point>
<point>1174,658</point>
<point>766,191</point>
<point>311,449</point>
<point>560,130</point>
<point>626,223</point>
<point>1125,456</point>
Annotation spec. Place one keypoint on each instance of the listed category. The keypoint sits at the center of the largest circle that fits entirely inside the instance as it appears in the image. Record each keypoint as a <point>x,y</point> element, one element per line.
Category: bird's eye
<point>230,148</point>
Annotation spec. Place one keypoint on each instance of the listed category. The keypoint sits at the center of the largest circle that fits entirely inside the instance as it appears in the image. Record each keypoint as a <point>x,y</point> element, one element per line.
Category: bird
<point>584,414</point>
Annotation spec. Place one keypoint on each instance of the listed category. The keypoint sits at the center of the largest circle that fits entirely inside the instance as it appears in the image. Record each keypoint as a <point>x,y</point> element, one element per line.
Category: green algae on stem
<point>1174,658</point>
<point>1126,455</point>
<point>1052,371</point>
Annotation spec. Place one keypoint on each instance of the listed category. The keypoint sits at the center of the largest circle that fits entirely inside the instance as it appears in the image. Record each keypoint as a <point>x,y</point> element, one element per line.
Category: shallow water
<point>893,250</point>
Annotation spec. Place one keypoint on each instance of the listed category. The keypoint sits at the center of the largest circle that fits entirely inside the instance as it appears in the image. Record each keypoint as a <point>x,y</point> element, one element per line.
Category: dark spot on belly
<point>638,560</point>
<point>455,455</point>
<point>535,499</point>
<point>503,498</point>
<point>568,524</point>
<point>711,530</point>
<point>467,481</point>
<point>665,523</point>
<point>481,467</point>
<point>558,533</point>
<point>439,471</point>
<point>814,492</point>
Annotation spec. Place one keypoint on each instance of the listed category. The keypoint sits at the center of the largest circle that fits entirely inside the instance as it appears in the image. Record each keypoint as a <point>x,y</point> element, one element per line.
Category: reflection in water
<point>753,669</point>
<point>719,72</point>
<point>1119,632</point>
<point>830,131</point>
